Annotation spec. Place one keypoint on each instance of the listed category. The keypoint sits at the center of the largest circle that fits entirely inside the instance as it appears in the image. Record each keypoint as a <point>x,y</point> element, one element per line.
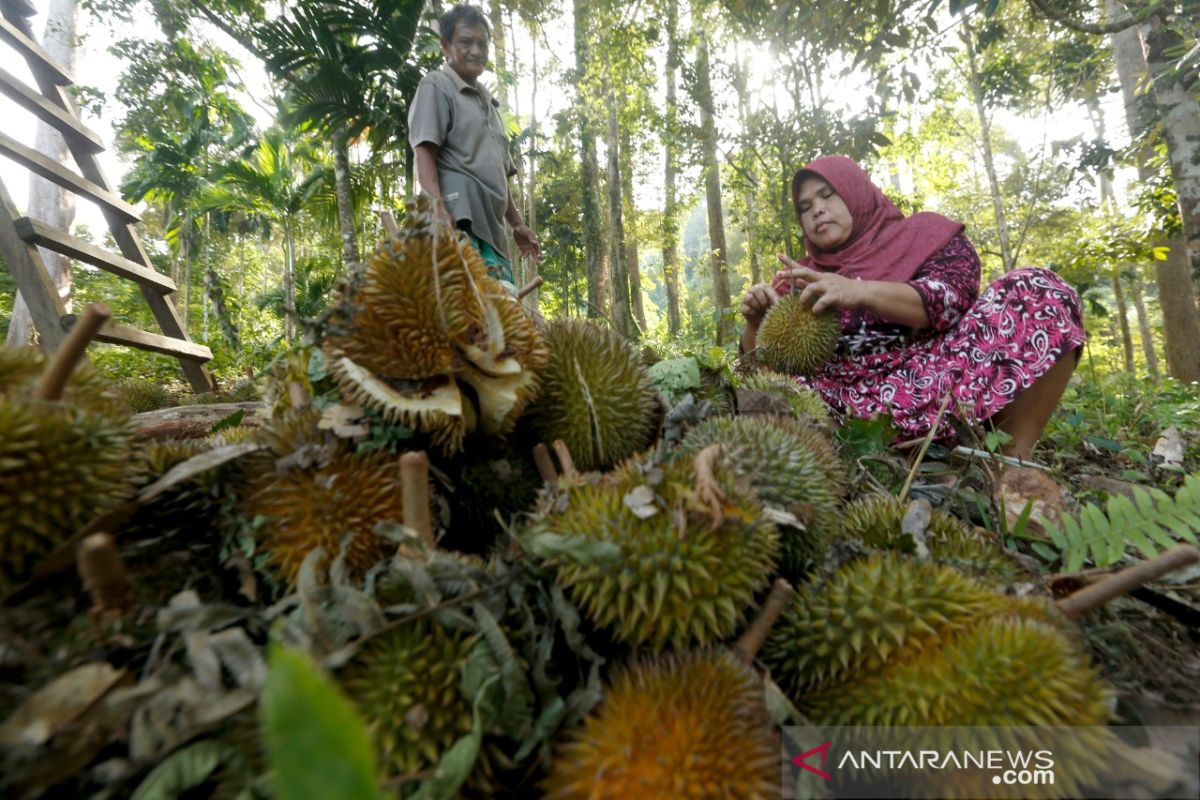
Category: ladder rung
<point>114,333</point>
<point>32,50</point>
<point>56,173</point>
<point>39,233</point>
<point>66,123</point>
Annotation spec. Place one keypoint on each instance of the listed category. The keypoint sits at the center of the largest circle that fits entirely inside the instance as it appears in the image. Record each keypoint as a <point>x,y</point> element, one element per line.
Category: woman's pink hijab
<point>884,245</point>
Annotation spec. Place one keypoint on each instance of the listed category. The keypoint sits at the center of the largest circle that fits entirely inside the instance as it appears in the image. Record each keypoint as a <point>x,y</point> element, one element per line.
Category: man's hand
<point>443,214</point>
<point>822,290</point>
<point>527,243</point>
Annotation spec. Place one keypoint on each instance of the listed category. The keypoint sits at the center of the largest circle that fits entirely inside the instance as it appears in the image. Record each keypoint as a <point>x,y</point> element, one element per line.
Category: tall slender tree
<point>670,134</point>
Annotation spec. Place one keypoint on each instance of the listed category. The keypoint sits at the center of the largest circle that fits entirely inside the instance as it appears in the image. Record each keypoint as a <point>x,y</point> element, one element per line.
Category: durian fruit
<point>805,402</point>
<point>407,685</point>
<point>887,640</point>
<point>596,395</point>
<point>786,473</point>
<point>319,504</point>
<point>793,340</point>
<point>690,725</point>
<point>877,519</point>
<point>821,445</point>
<point>62,462</point>
<point>421,322</point>
<point>141,394</point>
<point>192,506</point>
<point>682,572</point>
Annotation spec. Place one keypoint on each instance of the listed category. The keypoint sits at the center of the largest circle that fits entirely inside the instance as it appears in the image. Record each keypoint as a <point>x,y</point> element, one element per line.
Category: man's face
<point>467,51</point>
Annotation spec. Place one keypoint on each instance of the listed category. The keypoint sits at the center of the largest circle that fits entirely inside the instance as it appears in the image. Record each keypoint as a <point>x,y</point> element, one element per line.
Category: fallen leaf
<point>1168,450</point>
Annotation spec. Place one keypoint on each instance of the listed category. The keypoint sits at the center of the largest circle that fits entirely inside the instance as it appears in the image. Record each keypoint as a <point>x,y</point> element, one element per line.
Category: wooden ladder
<point>21,236</point>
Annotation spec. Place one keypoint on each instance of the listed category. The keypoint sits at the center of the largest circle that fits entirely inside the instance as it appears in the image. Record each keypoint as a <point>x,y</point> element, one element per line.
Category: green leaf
<point>184,769</point>
<point>1045,551</point>
<point>581,549</point>
<point>674,377</point>
<point>316,743</point>
<point>232,421</point>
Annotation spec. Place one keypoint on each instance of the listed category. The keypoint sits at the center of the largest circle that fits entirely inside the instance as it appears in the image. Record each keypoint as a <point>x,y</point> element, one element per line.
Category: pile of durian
<point>473,522</point>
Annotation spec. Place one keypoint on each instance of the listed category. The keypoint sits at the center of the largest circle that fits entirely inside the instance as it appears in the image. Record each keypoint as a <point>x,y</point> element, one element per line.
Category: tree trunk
<point>1179,110</point>
<point>670,224</point>
<point>712,190</point>
<point>47,201</point>
<point>531,299</point>
<point>289,283</point>
<point>1139,305</point>
<point>593,238</point>
<point>622,318</point>
<point>989,163</point>
<point>410,172</point>
<point>344,190</point>
<point>740,80</point>
<point>1176,290</point>
<point>185,243</point>
<point>1123,321</point>
<point>629,215</point>
<point>216,294</point>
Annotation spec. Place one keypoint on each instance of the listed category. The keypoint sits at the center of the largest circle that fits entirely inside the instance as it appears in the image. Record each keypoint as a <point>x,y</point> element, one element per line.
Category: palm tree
<point>274,181</point>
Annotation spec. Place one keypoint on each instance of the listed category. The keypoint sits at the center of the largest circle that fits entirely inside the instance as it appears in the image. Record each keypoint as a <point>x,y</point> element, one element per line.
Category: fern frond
<point>1152,522</point>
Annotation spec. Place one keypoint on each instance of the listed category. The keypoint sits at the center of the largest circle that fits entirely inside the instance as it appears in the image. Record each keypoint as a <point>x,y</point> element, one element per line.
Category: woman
<point>914,326</point>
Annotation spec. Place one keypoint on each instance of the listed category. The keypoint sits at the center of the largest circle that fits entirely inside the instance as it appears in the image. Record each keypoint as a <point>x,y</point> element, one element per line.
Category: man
<point>461,150</point>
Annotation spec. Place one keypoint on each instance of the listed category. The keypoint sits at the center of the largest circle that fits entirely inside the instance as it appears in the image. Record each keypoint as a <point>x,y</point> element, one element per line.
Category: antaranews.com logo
<point>1000,762</point>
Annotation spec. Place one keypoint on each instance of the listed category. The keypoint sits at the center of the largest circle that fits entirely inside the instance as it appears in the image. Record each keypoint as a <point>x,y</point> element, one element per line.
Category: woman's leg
<point>1026,416</point>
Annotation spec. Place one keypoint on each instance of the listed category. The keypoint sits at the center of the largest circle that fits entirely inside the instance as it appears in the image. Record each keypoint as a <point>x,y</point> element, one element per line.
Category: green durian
<point>804,402</point>
<point>141,394</point>
<point>876,519</point>
<point>793,340</point>
<point>407,684</point>
<point>787,473</point>
<point>62,462</point>
<point>596,396</point>
<point>678,576</point>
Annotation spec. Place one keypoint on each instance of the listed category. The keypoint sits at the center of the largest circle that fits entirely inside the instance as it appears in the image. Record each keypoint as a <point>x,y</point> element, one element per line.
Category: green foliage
<point>675,377</point>
<point>317,744</point>
<point>183,770</point>
<point>1153,521</point>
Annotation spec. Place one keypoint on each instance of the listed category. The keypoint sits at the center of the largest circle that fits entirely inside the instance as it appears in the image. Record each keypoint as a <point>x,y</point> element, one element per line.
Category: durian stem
<point>54,379</point>
<point>414,483</point>
<point>912,473</point>
<point>1097,594</point>
<point>389,223</point>
<point>752,640</point>
<point>530,287</point>
<point>545,467</point>
<point>103,574</point>
<point>565,461</point>
<point>708,491</point>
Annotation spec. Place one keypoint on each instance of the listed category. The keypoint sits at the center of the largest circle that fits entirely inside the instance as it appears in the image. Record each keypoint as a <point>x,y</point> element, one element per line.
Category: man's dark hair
<point>461,14</point>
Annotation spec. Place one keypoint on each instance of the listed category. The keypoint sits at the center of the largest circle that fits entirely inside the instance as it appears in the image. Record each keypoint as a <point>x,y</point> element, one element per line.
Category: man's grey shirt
<point>473,160</point>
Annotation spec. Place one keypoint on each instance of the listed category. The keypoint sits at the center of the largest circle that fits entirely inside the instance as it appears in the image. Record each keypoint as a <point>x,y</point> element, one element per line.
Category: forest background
<point>656,141</point>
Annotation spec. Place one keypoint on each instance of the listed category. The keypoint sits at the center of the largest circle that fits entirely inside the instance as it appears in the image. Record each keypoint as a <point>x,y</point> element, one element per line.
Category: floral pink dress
<point>982,349</point>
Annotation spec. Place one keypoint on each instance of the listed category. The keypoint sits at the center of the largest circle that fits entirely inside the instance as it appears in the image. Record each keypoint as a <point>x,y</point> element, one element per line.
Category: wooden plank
<point>115,333</point>
<point>32,51</point>
<point>18,9</point>
<point>37,232</point>
<point>54,172</point>
<point>29,273</point>
<point>65,122</point>
<point>160,306</point>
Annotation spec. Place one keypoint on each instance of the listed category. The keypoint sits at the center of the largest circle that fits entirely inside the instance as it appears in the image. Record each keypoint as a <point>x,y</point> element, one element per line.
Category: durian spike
<point>545,467</point>
<point>752,640</point>
<point>565,461</point>
<point>414,482</point>
<point>1097,594</point>
<point>54,379</point>
<point>103,574</point>
<point>708,491</point>
<point>530,287</point>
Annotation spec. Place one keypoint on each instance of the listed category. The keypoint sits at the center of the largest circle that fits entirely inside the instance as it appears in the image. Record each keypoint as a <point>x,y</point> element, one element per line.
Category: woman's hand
<point>822,290</point>
<point>757,301</point>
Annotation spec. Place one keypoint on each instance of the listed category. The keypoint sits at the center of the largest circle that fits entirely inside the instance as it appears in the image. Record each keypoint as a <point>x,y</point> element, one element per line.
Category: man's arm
<point>425,159</point>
